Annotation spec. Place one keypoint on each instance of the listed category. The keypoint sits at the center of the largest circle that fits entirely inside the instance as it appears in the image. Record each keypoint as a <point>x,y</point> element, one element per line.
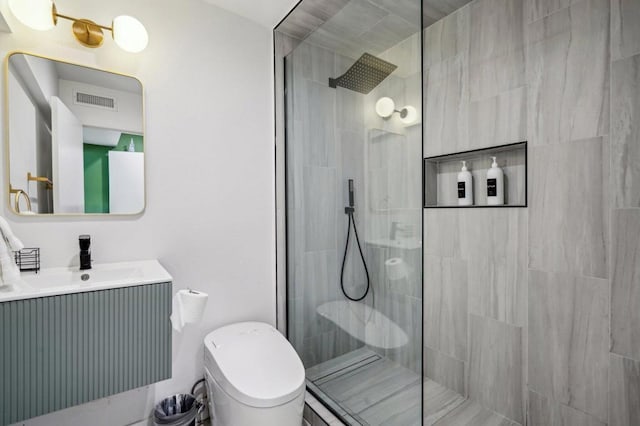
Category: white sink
<point>56,281</point>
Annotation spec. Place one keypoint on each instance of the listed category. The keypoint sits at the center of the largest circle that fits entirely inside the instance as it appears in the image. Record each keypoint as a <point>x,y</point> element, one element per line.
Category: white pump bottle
<point>465,186</point>
<point>495,185</point>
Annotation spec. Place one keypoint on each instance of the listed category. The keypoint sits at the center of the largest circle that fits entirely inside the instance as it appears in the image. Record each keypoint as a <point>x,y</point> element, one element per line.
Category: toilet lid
<point>255,364</point>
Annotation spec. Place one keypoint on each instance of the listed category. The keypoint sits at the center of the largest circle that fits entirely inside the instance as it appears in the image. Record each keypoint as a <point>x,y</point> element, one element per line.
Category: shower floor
<point>366,388</point>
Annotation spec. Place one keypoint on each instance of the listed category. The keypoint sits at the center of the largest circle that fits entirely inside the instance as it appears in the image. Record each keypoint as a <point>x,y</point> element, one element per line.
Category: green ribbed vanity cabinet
<point>65,350</point>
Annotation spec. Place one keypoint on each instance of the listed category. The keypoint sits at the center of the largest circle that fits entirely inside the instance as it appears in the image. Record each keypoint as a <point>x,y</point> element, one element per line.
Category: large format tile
<point>442,228</point>
<point>471,413</point>
<point>496,75</point>
<point>499,119</point>
<point>496,58</point>
<point>625,31</point>
<point>319,124</point>
<point>446,109</point>
<point>537,9</point>
<point>308,16</point>
<point>313,63</point>
<point>434,10</point>
<point>406,312</point>
<point>546,412</point>
<point>443,369</point>
<point>495,248</point>
<point>569,208</point>
<point>320,208</point>
<point>406,9</point>
<point>568,74</point>
<point>568,340</point>
<point>438,401</point>
<point>369,385</point>
<point>625,131</point>
<point>495,366</point>
<point>447,38</point>
<point>445,306</point>
<point>401,408</point>
<point>354,19</point>
<point>317,287</point>
<point>624,391</point>
<point>496,28</point>
<point>625,283</point>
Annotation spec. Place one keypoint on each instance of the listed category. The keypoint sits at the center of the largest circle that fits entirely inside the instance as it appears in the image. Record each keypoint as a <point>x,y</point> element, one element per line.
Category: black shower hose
<point>344,259</point>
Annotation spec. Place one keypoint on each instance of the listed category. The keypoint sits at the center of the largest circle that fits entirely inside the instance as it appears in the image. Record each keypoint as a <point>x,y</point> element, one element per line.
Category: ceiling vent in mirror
<point>87,99</point>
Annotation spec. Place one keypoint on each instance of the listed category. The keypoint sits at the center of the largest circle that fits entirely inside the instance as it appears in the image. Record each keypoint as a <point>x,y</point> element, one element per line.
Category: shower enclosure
<point>511,314</point>
<point>353,267</point>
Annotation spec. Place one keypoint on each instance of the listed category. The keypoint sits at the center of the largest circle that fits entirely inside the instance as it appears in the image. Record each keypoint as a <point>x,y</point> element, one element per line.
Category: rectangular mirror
<point>75,138</point>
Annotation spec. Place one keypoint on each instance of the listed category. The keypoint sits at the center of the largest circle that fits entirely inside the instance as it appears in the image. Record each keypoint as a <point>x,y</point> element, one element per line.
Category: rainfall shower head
<point>364,75</point>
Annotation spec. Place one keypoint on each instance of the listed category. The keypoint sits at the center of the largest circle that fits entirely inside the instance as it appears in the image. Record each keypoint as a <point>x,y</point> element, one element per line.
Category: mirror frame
<point>7,142</point>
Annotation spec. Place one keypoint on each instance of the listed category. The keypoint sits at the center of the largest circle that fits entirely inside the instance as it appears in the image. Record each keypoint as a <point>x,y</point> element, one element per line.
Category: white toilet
<point>254,376</point>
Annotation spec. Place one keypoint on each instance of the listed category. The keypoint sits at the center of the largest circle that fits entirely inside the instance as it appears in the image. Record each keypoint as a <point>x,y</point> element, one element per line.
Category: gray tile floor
<point>372,390</point>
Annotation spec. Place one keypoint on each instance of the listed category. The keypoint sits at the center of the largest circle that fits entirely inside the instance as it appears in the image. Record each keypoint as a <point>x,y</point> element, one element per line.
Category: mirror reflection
<point>76,138</point>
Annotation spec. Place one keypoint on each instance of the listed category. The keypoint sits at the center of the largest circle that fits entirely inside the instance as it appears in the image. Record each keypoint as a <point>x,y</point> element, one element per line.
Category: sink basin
<point>63,277</point>
<point>55,281</point>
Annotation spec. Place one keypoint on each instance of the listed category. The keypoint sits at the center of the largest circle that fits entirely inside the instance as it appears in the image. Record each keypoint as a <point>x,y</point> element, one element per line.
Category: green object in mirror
<point>75,138</point>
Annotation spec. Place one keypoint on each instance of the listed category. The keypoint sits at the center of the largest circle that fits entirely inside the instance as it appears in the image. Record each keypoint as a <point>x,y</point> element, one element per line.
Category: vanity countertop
<point>102,276</point>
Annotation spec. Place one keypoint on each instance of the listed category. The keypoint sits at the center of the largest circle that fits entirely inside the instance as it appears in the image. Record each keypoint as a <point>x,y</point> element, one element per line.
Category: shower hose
<point>349,211</point>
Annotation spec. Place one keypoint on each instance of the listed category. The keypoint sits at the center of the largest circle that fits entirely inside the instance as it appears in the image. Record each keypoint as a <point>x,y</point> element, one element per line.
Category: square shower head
<point>364,75</point>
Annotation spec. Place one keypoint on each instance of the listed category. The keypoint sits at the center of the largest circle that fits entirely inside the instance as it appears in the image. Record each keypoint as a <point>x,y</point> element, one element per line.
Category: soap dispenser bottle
<point>465,186</point>
<point>495,184</point>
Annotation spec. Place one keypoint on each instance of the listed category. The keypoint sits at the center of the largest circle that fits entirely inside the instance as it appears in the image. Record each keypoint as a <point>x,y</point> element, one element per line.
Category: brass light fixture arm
<point>57,15</point>
<point>87,32</point>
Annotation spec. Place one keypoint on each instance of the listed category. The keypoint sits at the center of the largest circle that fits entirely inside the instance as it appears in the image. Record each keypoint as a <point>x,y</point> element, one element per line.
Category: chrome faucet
<point>85,252</point>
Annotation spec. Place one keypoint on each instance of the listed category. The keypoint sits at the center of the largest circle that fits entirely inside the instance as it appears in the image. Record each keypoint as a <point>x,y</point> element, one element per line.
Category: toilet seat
<point>254,364</point>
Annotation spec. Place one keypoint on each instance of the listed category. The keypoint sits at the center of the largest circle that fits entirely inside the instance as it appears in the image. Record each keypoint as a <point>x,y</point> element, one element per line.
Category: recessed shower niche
<point>441,189</point>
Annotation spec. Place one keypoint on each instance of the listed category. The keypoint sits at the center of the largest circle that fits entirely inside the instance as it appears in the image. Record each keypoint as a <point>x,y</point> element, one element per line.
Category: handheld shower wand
<point>350,192</point>
<point>349,211</point>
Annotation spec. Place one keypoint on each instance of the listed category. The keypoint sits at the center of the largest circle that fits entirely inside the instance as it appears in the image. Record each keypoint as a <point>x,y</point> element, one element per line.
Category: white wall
<point>210,194</point>
<point>127,117</point>
<point>22,127</point>
<point>45,74</point>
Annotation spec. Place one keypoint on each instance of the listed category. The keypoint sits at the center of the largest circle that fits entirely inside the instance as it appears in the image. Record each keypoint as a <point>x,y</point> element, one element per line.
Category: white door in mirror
<point>67,159</point>
<point>126,182</point>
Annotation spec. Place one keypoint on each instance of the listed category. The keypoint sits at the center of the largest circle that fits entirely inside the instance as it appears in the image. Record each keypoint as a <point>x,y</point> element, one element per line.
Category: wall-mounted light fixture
<point>385,107</point>
<point>42,15</point>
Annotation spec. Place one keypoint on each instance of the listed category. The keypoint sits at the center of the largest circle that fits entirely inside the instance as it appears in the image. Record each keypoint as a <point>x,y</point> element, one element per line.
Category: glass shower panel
<point>354,212</point>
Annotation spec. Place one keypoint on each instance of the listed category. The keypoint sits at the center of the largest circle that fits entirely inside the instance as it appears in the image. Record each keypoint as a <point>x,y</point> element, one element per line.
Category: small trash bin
<point>177,410</point>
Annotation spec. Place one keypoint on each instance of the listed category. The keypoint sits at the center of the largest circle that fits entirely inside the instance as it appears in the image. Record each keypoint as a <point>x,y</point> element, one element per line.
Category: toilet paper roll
<point>396,268</point>
<point>188,307</point>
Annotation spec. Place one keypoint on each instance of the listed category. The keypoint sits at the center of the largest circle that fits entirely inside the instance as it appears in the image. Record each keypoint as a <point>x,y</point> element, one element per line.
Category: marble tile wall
<point>475,270</point>
<point>393,195</point>
<point>325,142</point>
<point>547,412</point>
<point>562,274</point>
<point>551,292</point>
<point>624,361</point>
<point>568,340</point>
<point>495,361</point>
<point>625,132</point>
<point>565,103</point>
<point>335,136</point>
<point>624,391</point>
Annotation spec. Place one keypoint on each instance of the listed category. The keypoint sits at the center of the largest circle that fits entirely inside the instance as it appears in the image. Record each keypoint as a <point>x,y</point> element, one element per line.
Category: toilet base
<point>226,411</point>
